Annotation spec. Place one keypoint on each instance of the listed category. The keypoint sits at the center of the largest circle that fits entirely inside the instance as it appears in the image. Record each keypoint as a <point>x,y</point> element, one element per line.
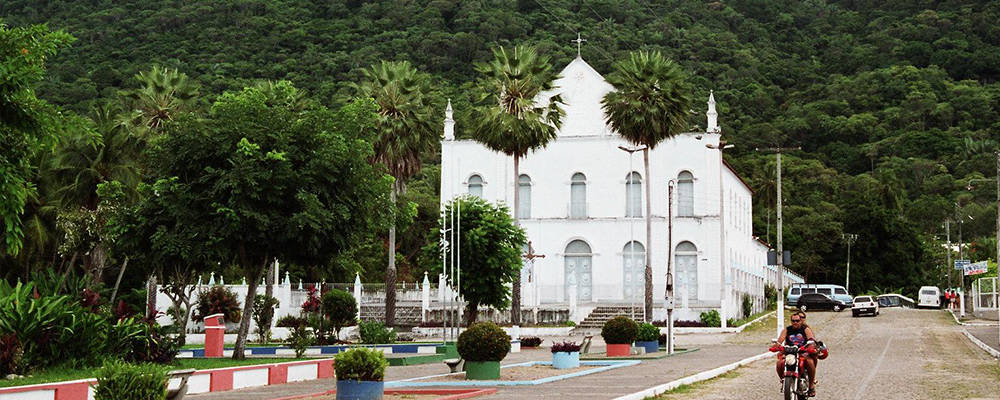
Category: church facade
<point>582,205</point>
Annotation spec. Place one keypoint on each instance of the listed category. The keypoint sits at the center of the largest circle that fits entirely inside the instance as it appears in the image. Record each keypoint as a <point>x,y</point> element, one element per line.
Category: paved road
<point>902,354</point>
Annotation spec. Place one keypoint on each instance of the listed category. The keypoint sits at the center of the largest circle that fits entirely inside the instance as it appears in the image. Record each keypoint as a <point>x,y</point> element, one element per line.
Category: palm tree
<point>404,130</point>
<point>509,120</point>
<point>766,186</point>
<point>163,94</point>
<point>649,105</point>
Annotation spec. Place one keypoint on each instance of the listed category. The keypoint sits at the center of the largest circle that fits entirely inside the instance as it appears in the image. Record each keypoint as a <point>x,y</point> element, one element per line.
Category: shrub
<point>340,309</point>
<point>484,342</point>
<point>291,321</point>
<point>620,330</point>
<point>568,347</point>
<point>375,333</point>
<point>531,341</point>
<point>771,294</point>
<point>218,300</point>
<point>404,338</point>
<point>360,364</point>
<point>312,303</point>
<point>570,323</point>
<point>662,340</point>
<point>11,356</point>
<point>119,380</point>
<point>747,305</point>
<point>711,318</point>
<point>647,333</point>
<point>688,324</point>
<point>263,315</point>
<point>300,339</point>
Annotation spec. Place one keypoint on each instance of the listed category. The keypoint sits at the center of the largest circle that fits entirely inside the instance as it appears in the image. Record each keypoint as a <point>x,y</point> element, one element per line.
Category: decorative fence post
<point>425,299</point>
<point>357,292</point>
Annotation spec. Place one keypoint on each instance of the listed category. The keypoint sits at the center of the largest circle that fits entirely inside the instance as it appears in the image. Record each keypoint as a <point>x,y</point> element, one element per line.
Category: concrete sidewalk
<point>988,335</point>
<point>605,385</point>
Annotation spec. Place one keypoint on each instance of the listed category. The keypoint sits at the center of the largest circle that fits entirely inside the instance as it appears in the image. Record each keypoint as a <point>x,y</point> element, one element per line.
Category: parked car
<point>836,291</point>
<point>930,296</point>
<point>864,305</point>
<point>819,301</point>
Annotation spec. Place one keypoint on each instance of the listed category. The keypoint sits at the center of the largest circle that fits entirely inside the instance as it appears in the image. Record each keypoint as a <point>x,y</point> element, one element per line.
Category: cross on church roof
<point>531,255</point>
<point>579,41</point>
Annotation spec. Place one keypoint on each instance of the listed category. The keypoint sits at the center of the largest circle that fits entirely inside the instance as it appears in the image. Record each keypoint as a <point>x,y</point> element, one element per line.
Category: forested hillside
<point>895,104</point>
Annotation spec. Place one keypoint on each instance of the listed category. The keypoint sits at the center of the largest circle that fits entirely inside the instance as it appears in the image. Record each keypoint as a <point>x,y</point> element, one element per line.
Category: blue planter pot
<point>566,360</point>
<point>651,347</point>
<point>359,390</point>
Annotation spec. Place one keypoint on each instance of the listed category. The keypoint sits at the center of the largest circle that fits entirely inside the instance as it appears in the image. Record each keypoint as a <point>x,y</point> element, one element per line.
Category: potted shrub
<point>619,333</point>
<point>530,342</point>
<point>565,355</point>
<point>648,338</point>
<point>360,373</point>
<point>482,347</point>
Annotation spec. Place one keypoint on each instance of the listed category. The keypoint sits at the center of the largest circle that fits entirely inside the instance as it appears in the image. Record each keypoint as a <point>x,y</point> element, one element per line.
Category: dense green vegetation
<point>895,104</point>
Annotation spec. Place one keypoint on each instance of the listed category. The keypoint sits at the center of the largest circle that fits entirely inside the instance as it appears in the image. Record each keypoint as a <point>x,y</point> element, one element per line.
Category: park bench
<point>455,364</point>
<point>181,390</point>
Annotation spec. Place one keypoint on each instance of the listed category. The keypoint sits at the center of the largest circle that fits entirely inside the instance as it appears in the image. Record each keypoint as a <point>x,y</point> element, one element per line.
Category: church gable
<point>582,89</point>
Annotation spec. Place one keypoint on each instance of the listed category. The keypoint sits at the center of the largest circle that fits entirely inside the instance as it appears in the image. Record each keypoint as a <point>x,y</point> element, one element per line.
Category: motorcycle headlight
<point>790,359</point>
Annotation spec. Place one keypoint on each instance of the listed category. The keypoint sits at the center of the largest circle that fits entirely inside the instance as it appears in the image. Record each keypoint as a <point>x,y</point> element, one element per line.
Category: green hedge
<point>484,342</point>
<point>119,380</point>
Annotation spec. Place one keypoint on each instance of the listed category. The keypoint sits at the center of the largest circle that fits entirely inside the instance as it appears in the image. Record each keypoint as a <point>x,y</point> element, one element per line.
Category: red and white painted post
<point>215,333</point>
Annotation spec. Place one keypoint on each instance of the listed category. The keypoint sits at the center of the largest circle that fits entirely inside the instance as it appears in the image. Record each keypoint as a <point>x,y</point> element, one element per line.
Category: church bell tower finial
<point>449,123</point>
<point>713,116</point>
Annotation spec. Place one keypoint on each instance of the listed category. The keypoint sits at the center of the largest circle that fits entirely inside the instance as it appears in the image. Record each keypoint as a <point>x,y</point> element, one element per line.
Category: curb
<point>701,376</point>
<point>966,323</point>
<point>993,352</point>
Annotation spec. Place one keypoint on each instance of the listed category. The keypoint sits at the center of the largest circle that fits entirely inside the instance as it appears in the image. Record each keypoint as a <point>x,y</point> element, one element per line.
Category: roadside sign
<point>960,264</point>
<point>976,269</point>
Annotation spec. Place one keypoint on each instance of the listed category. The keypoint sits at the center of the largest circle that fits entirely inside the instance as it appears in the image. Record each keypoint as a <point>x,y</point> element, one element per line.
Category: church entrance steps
<point>602,314</point>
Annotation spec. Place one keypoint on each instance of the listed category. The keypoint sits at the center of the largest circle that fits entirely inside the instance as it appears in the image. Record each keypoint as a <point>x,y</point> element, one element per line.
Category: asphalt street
<point>901,354</point>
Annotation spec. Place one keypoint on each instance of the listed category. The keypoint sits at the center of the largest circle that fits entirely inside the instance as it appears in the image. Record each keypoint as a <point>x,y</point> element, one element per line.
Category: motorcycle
<point>794,384</point>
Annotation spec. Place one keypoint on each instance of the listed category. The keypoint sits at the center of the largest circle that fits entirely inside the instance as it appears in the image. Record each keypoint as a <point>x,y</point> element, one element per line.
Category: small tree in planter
<point>483,346</point>
<point>360,373</point>
<point>619,333</point>
<point>648,338</point>
<point>565,355</point>
<point>341,309</point>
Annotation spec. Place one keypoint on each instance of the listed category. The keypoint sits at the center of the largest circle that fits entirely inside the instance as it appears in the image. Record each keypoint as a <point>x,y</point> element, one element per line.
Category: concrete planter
<point>566,360</point>
<point>619,350</point>
<point>651,347</point>
<point>482,370</point>
<point>359,390</point>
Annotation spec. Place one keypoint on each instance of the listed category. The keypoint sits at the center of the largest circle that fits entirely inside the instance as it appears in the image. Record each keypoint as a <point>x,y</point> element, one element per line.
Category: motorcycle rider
<point>798,334</point>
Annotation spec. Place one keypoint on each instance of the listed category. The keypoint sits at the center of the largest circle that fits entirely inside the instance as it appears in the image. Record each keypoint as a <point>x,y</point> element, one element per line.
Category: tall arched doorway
<point>634,271</point>
<point>578,268</point>
<point>686,270</point>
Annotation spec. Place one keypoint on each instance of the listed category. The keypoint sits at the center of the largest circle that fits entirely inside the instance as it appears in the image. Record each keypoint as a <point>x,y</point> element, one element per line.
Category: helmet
<point>822,352</point>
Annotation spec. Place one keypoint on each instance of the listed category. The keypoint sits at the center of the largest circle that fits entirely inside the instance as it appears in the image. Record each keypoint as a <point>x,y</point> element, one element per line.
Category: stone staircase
<point>405,315</point>
<point>603,314</point>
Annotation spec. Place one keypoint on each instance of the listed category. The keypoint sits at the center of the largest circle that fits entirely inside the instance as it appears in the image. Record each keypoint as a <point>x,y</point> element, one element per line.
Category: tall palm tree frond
<point>650,100</point>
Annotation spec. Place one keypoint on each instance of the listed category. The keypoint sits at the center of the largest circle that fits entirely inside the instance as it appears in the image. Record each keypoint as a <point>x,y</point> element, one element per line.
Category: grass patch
<point>65,373</point>
<point>687,389</point>
<point>740,322</point>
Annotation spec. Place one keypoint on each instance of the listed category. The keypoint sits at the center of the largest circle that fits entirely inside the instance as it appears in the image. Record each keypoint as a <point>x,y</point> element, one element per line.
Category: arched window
<point>476,186</point>
<point>633,195</point>
<point>577,269</point>
<point>686,270</point>
<point>578,196</point>
<point>524,192</point>
<point>633,271</point>
<point>685,194</point>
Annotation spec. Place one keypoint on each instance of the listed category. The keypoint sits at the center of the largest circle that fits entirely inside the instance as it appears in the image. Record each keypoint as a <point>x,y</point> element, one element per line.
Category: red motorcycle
<point>795,386</point>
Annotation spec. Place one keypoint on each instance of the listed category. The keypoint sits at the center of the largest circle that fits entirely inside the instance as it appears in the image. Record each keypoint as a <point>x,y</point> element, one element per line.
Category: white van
<point>930,296</point>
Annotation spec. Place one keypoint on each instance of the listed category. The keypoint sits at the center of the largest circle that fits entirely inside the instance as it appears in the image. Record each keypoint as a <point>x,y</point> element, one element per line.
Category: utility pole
<point>722,232</point>
<point>780,253</point>
<point>948,267</point>
<point>850,238</point>
<point>670,267</point>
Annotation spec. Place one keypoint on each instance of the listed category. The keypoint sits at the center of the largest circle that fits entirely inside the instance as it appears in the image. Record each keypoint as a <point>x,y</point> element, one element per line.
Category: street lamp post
<point>631,228</point>
<point>722,231</point>
<point>850,238</point>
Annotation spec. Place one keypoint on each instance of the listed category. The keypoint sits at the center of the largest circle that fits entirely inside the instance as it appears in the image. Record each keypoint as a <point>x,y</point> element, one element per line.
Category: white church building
<point>581,205</point>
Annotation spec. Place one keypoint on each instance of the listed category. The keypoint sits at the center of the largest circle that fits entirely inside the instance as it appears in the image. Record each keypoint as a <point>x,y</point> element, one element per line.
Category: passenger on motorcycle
<point>799,334</point>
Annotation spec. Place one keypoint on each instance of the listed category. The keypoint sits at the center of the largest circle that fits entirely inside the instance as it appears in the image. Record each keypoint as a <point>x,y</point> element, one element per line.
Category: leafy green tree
<point>491,253</point>
<point>27,123</point>
<point>260,180</point>
<point>510,119</point>
<point>404,131</point>
<point>341,309</point>
<point>649,105</point>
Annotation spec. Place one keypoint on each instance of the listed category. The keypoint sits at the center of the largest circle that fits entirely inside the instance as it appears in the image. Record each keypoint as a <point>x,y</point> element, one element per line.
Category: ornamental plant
<point>565,347</point>
<point>531,341</point>
<point>119,380</point>
<point>620,330</point>
<point>647,333</point>
<point>219,300</point>
<point>711,318</point>
<point>375,333</point>
<point>340,309</point>
<point>360,364</point>
<point>484,342</point>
